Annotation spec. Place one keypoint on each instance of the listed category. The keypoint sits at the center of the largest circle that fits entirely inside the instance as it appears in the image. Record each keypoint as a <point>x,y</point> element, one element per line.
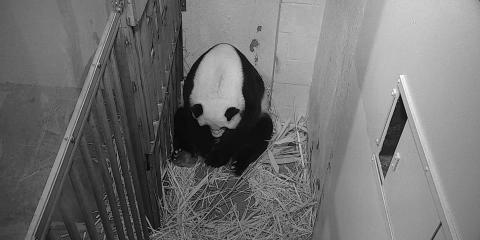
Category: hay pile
<point>271,200</point>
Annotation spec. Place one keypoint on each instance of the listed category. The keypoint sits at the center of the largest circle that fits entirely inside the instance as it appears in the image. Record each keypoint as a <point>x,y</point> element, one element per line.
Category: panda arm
<point>243,147</point>
<point>218,158</point>
<point>180,136</point>
<point>188,135</point>
<point>222,152</point>
<point>253,145</point>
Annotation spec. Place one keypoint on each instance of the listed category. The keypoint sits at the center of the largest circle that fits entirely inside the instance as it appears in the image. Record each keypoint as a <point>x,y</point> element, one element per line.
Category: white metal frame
<point>440,203</point>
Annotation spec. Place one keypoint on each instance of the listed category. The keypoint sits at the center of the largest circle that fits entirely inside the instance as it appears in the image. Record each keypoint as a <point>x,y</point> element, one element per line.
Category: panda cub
<point>222,118</point>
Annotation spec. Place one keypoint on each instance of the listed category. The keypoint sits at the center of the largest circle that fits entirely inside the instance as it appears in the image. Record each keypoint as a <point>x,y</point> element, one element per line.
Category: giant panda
<point>222,119</point>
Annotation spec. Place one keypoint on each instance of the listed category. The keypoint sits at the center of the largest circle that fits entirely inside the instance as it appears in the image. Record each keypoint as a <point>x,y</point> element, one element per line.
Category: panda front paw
<point>175,155</point>
<point>183,158</point>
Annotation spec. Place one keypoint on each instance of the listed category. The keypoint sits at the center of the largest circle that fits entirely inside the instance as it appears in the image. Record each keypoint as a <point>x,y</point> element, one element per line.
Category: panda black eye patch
<point>231,111</point>
<point>197,110</point>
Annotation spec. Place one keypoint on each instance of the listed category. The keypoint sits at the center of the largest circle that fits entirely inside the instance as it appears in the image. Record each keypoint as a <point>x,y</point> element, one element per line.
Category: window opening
<point>394,131</point>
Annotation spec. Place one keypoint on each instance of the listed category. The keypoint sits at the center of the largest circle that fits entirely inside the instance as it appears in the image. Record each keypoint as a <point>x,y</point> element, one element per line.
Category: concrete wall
<point>338,142</point>
<point>44,50</point>
<point>298,32</point>
<point>49,42</point>
<point>364,46</point>
<point>249,25</point>
<point>278,37</point>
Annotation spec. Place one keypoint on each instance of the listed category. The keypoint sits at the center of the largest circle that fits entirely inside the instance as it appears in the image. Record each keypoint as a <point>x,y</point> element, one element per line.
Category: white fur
<point>217,86</point>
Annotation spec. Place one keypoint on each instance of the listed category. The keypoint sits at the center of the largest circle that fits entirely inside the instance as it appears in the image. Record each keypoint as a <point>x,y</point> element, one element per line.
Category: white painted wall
<point>351,208</point>
<point>287,42</point>
<point>338,142</point>
<point>436,43</point>
<point>250,25</point>
<point>298,32</point>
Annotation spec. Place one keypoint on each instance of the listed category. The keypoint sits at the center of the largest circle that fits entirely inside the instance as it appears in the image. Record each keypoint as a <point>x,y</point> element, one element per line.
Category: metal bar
<point>179,58</point>
<point>112,200</point>
<point>153,158</point>
<point>81,193</point>
<point>43,213</point>
<point>131,80</point>
<point>135,157</point>
<point>121,148</point>
<point>68,219</point>
<point>104,127</point>
<point>142,82</point>
<point>97,191</point>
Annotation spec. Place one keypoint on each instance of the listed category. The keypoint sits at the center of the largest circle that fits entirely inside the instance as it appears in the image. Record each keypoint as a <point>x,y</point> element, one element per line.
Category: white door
<point>408,198</point>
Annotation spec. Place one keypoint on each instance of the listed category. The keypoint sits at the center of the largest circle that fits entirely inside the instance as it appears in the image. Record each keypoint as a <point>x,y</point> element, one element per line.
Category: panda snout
<point>216,133</point>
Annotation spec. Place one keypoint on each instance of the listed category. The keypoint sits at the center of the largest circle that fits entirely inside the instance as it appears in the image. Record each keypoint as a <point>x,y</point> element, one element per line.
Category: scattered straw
<point>271,200</point>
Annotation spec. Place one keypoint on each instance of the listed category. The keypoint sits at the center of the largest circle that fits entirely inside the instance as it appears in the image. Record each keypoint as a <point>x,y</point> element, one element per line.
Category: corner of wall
<point>297,38</point>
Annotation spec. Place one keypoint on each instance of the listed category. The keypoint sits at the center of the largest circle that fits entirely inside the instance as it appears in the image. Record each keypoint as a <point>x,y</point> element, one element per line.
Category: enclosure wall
<point>297,38</point>
<point>278,37</point>
<point>60,58</point>
<point>364,46</point>
<point>338,141</point>
<point>249,25</point>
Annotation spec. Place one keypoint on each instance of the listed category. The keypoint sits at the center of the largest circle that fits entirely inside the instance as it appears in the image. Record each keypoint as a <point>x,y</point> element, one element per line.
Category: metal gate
<point>106,178</point>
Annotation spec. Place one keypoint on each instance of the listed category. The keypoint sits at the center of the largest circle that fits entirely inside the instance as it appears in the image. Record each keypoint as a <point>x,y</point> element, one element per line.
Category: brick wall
<point>298,31</point>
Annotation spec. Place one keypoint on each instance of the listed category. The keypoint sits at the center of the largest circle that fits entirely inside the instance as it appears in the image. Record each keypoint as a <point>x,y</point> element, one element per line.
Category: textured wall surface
<point>298,32</point>
<point>338,140</point>
<point>279,40</point>
<point>364,46</point>
<point>249,25</point>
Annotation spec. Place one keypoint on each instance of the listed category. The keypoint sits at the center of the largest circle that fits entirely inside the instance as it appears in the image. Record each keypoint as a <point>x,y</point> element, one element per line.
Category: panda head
<point>213,118</point>
<point>216,99</point>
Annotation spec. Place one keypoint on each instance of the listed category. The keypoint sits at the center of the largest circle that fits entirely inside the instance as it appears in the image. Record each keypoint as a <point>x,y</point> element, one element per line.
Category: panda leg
<point>219,157</point>
<point>222,152</point>
<point>254,145</point>
<point>182,140</point>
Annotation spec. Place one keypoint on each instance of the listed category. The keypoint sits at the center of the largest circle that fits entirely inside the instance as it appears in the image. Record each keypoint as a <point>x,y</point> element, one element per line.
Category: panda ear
<point>231,111</point>
<point>197,110</point>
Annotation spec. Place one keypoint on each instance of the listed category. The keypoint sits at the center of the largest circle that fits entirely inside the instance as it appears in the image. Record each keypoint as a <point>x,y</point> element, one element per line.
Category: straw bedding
<point>271,200</point>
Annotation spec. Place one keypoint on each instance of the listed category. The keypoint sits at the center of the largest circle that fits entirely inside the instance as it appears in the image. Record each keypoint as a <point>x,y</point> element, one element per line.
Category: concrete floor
<point>32,123</point>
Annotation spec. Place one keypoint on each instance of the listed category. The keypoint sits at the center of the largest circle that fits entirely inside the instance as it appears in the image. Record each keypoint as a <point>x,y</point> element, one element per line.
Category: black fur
<point>231,112</point>
<point>242,145</point>
<point>197,110</point>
